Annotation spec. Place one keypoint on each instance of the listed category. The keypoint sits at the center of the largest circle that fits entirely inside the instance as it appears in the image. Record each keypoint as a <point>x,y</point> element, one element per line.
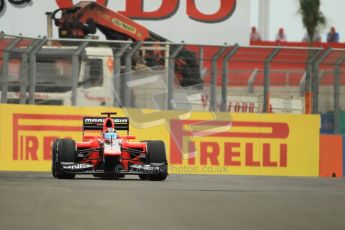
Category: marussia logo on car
<point>101,120</point>
<point>121,120</point>
<point>94,120</point>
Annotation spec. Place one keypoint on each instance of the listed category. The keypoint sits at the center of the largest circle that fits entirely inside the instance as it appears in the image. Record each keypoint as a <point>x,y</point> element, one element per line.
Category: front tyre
<point>156,155</point>
<point>63,150</point>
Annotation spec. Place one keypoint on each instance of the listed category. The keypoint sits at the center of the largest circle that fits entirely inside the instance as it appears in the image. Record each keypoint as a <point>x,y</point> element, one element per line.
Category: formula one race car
<point>109,155</point>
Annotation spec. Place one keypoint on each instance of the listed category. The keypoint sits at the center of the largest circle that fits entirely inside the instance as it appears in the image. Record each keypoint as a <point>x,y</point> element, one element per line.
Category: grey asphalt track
<point>39,201</point>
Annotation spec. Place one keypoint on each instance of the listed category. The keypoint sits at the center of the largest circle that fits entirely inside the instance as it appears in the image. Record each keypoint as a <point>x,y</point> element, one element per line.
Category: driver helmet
<point>110,134</point>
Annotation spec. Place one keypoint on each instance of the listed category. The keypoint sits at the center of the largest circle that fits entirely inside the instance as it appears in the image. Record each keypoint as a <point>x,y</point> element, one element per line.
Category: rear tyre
<point>156,155</point>
<point>63,150</point>
<point>97,175</point>
<point>121,176</point>
<point>143,177</point>
<point>110,166</point>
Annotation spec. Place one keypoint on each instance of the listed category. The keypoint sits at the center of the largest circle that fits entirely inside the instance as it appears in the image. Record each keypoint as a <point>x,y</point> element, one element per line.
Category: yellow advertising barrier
<point>196,142</point>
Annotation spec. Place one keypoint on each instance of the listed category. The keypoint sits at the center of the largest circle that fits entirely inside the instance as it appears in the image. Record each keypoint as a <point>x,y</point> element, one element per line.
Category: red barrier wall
<point>331,156</point>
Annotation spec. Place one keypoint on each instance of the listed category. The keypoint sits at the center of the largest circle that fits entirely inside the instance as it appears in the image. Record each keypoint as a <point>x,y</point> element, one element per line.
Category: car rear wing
<point>96,123</point>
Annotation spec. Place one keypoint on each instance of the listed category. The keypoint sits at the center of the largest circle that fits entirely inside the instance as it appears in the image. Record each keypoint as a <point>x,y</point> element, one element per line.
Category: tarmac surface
<point>39,201</point>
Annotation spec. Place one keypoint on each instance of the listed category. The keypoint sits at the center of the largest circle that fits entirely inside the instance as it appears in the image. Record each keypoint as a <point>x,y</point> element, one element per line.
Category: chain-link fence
<point>174,76</point>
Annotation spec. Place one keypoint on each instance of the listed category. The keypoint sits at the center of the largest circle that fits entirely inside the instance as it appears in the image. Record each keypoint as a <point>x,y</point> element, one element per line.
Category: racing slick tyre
<point>63,150</point>
<point>156,154</point>
<point>111,165</point>
<point>143,177</point>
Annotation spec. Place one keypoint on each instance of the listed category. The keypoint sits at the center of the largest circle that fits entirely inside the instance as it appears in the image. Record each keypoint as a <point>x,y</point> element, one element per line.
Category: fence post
<point>316,81</point>
<point>266,102</point>
<point>117,82</point>
<point>75,72</point>
<point>214,73</point>
<point>225,75</point>
<point>24,71</point>
<point>336,95</point>
<point>124,95</point>
<point>171,76</point>
<point>4,73</point>
<point>201,62</point>
<point>308,94</point>
<point>32,78</point>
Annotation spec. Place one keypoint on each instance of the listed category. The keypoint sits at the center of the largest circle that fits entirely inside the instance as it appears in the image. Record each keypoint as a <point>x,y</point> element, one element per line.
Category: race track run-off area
<point>39,201</point>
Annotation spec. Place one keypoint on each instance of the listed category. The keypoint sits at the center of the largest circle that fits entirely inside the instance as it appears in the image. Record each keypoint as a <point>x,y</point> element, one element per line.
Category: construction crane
<point>86,17</point>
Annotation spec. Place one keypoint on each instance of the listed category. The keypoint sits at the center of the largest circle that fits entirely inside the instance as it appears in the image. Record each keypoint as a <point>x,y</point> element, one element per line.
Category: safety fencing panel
<point>196,142</point>
<point>261,78</point>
